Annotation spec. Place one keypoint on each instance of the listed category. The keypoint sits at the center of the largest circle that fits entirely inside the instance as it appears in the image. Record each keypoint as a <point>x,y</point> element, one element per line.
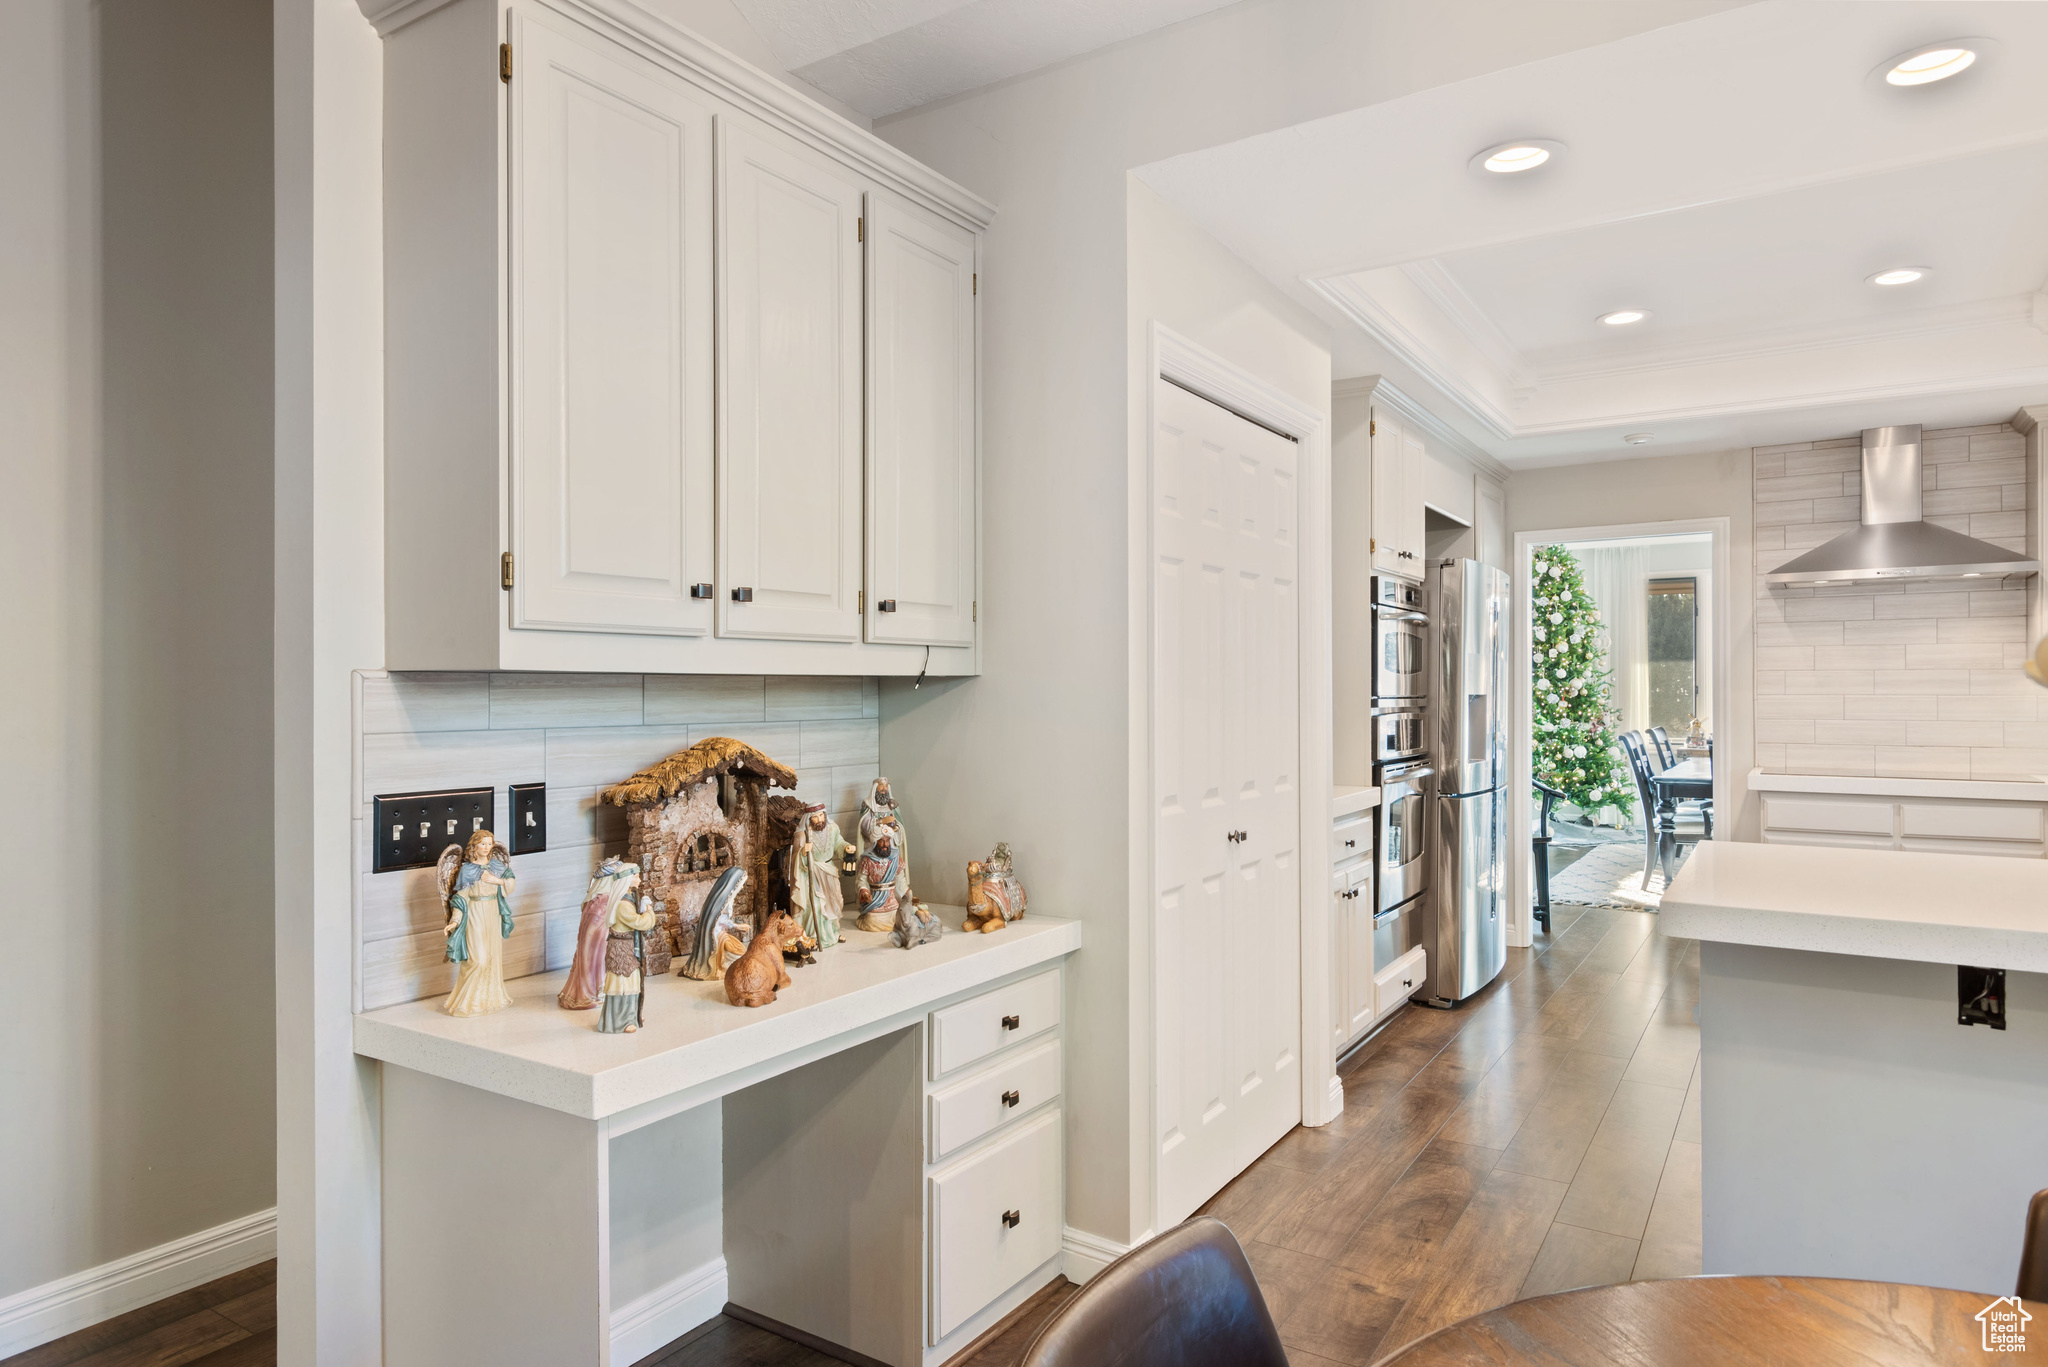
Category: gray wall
<point>136,1104</point>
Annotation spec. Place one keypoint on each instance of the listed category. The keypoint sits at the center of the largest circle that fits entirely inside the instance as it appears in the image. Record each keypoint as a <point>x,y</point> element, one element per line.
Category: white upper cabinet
<point>921,425</point>
<point>789,354</point>
<point>1397,476</point>
<point>657,397</point>
<point>610,438</point>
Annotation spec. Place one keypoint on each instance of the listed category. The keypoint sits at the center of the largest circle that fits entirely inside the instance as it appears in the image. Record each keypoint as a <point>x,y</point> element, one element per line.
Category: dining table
<point>1738,1322</point>
<point>1689,780</point>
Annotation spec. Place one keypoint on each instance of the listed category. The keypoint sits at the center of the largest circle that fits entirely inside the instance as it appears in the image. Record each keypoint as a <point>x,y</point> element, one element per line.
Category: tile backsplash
<point>578,733</point>
<point>1894,680</point>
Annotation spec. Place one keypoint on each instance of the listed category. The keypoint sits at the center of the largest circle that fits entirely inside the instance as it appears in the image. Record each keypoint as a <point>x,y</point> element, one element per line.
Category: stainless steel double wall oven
<point>1401,767</point>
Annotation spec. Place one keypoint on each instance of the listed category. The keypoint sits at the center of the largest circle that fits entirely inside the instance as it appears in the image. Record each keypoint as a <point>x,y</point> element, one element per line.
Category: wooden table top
<point>1724,1322</point>
<point>1686,771</point>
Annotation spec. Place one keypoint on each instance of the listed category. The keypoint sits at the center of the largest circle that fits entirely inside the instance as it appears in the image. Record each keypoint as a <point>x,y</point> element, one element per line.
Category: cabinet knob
<point>1011,1218</point>
<point>1011,1022</point>
<point>886,605</point>
<point>1351,844</point>
<point>742,595</point>
<point>1407,982</point>
<point>700,590</point>
<point>1010,1098</point>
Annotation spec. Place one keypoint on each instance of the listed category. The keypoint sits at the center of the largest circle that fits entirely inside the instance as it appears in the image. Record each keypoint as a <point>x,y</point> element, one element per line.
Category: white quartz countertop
<point>535,1051</point>
<point>1984,910</point>
<point>1347,798</point>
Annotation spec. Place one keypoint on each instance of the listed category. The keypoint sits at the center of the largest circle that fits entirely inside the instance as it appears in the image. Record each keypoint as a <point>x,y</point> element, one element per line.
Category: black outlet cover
<point>413,828</point>
<point>1980,996</point>
<point>529,833</point>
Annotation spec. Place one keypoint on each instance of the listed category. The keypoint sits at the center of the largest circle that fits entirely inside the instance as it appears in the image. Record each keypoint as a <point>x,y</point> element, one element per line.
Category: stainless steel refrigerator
<point>1466,939</point>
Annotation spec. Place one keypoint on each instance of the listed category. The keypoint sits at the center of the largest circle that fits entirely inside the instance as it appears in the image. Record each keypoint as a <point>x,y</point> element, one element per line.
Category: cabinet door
<point>1414,476</point>
<point>1358,965</point>
<point>1389,494</point>
<point>611,422</point>
<point>921,553</point>
<point>789,377</point>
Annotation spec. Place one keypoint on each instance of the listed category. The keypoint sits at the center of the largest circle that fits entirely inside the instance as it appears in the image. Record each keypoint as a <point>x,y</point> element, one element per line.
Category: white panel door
<point>1227,927</point>
<point>611,423</point>
<point>921,554</point>
<point>789,380</point>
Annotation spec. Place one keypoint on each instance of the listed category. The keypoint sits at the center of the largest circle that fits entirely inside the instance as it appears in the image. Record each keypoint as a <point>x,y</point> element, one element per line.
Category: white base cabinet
<point>680,369</point>
<point>1935,816</point>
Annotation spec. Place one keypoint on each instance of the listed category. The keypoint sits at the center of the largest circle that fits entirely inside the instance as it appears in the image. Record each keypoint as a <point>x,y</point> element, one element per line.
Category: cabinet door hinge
<point>504,61</point>
<point>977,609</point>
<point>860,230</point>
<point>1372,543</point>
<point>860,600</point>
<point>1372,427</point>
<point>505,569</point>
<point>977,282</point>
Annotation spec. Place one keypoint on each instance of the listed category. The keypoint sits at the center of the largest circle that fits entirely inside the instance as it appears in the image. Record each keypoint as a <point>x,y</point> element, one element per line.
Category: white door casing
<point>921,466</point>
<point>789,385</point>
<point>1226,759</point>
<point>611,424</point>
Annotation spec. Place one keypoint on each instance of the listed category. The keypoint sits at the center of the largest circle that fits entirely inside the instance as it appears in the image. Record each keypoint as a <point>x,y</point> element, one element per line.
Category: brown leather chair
<point>1186,1299</point>
<point>2034,1252</point>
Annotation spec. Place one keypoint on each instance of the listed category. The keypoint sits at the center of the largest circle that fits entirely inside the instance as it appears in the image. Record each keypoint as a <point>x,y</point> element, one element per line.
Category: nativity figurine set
<point>723,881</point>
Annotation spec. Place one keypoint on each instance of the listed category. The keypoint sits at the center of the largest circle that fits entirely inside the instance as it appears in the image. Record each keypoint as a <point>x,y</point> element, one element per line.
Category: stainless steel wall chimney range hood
<point>1893,542</point>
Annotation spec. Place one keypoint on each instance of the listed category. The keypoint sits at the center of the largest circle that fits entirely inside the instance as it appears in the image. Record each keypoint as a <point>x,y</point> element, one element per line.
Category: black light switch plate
<point>1980,996</point>
<point>413,828</point>
<point>529,818</point>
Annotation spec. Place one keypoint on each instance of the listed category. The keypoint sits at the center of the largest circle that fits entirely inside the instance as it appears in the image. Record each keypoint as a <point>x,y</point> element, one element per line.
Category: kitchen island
<point>1850,1125</point>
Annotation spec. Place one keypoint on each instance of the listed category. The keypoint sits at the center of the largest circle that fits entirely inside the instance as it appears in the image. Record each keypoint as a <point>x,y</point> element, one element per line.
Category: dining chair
<point>1661,740</point>
<point>1186,1299</point>
<point>1539,844</point>
<point>1635,747</point>
<point>2033,1282</point>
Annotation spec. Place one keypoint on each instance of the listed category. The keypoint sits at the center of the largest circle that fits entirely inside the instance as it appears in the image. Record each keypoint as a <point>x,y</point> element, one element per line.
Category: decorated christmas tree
<point>1574,722</point>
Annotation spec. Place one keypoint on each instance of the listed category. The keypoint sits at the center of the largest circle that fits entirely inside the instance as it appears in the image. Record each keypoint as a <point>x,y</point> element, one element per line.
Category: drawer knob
<point>1351,844</point>
<point>1011,1022</point>
<point>1009,1098</point>
<point>1011,1217</point>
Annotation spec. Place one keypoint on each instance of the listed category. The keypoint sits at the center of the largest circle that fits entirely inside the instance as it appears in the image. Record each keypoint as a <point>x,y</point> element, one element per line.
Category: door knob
<point>1010,1098</point>
<point>1011,1217</point>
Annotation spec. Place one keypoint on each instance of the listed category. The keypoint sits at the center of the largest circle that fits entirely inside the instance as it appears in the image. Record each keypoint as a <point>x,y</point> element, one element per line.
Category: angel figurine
<point>584,987</point>
<point>475,882</point>
<point>718,940</point>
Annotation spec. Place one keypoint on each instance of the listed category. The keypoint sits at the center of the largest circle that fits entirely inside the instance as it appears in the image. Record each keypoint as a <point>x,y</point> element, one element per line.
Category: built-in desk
<point>854,1150</point>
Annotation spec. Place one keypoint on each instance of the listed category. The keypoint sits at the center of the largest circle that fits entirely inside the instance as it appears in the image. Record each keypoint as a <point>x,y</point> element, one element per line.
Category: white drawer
<point>1970,821</point>
<point>990,1099</point>
<point>1351,838</point>
<point>1828,815</point>
<point>974,1029</point>
<point>1399,981</point>
<point>976,1255</point>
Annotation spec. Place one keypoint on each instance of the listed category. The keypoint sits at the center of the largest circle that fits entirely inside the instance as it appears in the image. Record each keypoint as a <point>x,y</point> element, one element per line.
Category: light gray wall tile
<point>411,762</point>
<point>1996,444</point>
<point>1974,471</point>
<point>426,702</point>
<point>1981,630</point>
<point>1808,633</point>
<point>1794,732</point>
<point>1777,453</point>
<point>524,700</point>
<point>1779,514</point>
<point>2005,707</point>
<point>1923,681</point>
<point>1943,449</point>
<point>1804,536</point>
<point>1990,526</point>
<point>1840,682</point>
<point>576,817</point>
<point>850,784</point>
<point>1845,509</point>
<point>1974,499</point>
<point>687,699</point>
<point>1830,609</point>
<point>804,699</point>
<point>1922,605</point>
<point>1922,761</point>
<point>408,901</point>
<point>1769,681</point>
<point>871,697</point>
<point>1770,757</point>
<point>1955,733</point>
<point>2009,761</point>
<point>2003,603</point>
<point>1972,656</point>
<point>1858,760</point>
<point>1862,732</point>
<point>594,756</point>
<point>1860,657</point>
<point>1882,706</point>
<point>1784,657</point>
<point>1890,631</point>
<point>1800,707</point>
<point>1832,460</point>
<point>835,743</point>
<point>1804,486</point>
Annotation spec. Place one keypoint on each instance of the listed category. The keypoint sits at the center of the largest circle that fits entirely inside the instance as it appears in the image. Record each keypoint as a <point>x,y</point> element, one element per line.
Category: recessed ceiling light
<point>1900,275</point>
<point>1623,317</point>
<point>1931,62</point>
<point>1637,438</point>
<point>1523,154</point>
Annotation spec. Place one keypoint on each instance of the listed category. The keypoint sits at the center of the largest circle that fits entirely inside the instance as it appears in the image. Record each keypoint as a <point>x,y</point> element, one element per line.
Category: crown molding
<point>1435,430</point>
<point>753,90</point>
<point>1442,289</point>
<point>1359,305</point>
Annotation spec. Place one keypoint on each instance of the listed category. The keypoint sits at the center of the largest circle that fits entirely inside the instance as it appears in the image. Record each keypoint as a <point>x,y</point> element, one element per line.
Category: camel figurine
<point>758,973</point>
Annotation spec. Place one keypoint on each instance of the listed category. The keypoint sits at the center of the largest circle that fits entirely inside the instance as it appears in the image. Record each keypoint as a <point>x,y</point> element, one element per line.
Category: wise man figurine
<point>882,882</point>
<point>812,870</point>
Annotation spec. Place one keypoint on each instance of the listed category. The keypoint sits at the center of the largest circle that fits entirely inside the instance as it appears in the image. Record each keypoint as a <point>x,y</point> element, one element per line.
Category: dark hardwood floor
<point>1543,1136</point>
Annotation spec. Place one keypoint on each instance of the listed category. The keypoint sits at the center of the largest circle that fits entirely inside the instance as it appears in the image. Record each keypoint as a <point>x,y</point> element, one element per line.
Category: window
<point>1674,654</point>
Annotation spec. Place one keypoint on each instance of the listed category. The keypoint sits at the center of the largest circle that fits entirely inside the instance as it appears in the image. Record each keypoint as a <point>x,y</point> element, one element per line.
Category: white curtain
<point>1618,577</point>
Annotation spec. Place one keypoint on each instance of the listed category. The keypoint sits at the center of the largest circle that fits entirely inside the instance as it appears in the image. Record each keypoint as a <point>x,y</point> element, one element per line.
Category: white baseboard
<point>1336,1099</point>
<point>1086,1254</point>
<point>54,1309</point>
<point>667,1312</point>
